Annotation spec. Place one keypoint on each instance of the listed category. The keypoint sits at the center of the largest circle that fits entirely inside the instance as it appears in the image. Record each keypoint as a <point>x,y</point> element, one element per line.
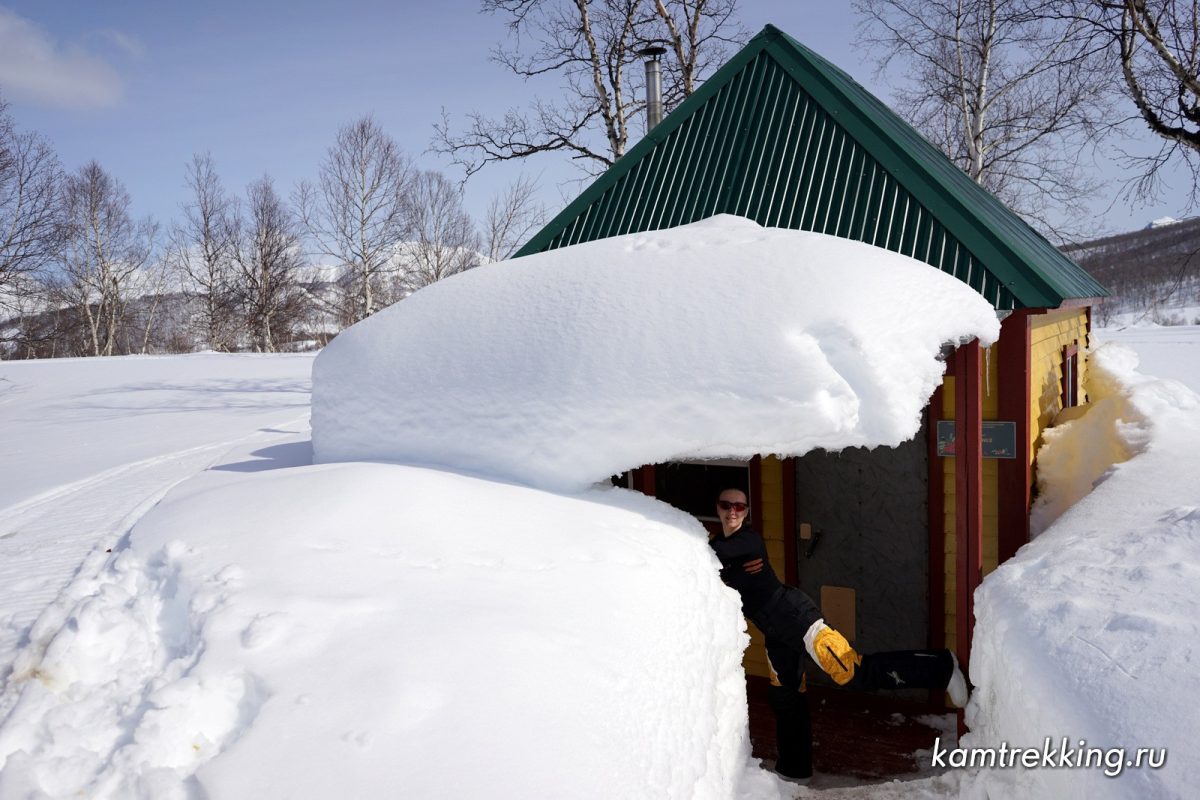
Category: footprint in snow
<point>263,630</point>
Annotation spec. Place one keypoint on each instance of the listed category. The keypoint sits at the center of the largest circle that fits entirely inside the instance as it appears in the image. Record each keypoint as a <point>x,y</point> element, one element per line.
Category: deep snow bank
<point>1122,412</point>
<point>374,630</point>
<point>1092,631</point>
<point>720,338</point>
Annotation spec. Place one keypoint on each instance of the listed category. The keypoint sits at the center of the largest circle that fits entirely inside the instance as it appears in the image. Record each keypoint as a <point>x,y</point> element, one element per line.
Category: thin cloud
<point>34,68</point>
<point>130,45</point>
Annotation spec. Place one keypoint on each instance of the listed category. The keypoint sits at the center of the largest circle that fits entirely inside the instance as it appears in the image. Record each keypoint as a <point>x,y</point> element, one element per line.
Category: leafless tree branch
<point>269,256</point>
<point>357,213</point>
<point>591,46</point>
<point>30,223</point>
<point>104,253</point>
<point>511,218</point>
<point>1009,94</point>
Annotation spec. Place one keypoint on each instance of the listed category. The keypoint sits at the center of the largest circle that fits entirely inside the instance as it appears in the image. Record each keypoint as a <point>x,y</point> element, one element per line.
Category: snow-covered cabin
<point>891,541</point>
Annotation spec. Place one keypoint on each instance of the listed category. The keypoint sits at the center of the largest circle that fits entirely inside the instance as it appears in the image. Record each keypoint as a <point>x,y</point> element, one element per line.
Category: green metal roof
<point>783,137</point>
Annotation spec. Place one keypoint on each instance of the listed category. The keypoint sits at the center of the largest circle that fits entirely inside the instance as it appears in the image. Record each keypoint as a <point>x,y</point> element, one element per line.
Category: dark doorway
<point>868,511</point>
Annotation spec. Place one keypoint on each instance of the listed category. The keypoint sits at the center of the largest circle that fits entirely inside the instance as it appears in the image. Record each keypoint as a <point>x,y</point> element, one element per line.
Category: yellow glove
<point>834,654</point>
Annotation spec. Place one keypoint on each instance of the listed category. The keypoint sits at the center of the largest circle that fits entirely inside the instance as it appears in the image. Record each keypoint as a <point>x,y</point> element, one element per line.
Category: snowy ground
<point>89,445</point>
<point>142,665</point>
<point>1089,637</point>
<point>1165,352</point>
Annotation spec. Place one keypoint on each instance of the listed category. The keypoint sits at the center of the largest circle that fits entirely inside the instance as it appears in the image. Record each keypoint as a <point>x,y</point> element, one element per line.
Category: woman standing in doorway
<point>794,626</point>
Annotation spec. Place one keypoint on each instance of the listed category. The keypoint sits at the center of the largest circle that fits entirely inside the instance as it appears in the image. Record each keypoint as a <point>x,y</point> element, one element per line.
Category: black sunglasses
<point>725,505</point>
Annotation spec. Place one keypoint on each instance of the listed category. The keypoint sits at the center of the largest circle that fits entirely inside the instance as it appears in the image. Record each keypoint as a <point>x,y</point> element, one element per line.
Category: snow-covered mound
<point>375,630</point>
<point>1092,631</point>
<point>720,338</point>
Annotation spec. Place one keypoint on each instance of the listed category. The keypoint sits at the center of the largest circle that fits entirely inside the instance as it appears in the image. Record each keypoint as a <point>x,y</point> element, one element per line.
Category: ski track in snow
<point>68,531</point>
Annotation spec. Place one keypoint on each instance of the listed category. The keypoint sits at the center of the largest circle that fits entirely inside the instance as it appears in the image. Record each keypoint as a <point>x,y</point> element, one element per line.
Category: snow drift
<point>423,634</point>
<point>716,339</point>
<point>1091,631</point>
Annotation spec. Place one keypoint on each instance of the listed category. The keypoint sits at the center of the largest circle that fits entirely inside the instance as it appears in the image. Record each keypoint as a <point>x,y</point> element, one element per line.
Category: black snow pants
<point>783,621</point>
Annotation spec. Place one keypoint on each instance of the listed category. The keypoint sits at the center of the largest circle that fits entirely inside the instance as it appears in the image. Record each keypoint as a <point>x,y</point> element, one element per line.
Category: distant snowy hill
<point>1152,273</point>
<point>163,311</point>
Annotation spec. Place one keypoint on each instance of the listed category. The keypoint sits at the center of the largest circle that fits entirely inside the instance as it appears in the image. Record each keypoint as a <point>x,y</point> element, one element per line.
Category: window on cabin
<point>1070,376</point>
<point>693,486</point>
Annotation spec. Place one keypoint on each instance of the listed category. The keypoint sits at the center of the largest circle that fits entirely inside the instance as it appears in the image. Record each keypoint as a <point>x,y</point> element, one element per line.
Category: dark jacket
<point>734,551</point>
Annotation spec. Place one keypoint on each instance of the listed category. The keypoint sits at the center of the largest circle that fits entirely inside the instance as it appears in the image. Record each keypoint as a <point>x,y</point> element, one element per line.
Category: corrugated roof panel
<point>689,172</point>
<point>810,171</point>
<point>794,157</point>
<point>626,200</point>
<point>699,170</point>
<point>1013,246</point>
<point>855,178</point>
<point>816,201</point>
<point>781,136</point>
<point>602,225</point>
<point>779,156</point>
<point>579,225</point>
<point>888,202</point>
<point>666,192</point>
<point>745,130</point>
<point>912,230</point>
<point>831,183</point>
<point>866,176</point>
<point>768,155</point>
<point>634,206</point>
<point>872,212</point>
<point>700,174</point>
<point>921,235</point>
<point>675,146</point>
<point>745,180</point>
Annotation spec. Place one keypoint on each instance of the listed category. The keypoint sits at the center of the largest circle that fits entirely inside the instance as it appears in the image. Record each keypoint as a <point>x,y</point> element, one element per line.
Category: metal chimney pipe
<point>654,109</point>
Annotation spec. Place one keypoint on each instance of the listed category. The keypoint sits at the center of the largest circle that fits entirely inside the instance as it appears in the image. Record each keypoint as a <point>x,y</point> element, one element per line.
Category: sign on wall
<point>999,439</point>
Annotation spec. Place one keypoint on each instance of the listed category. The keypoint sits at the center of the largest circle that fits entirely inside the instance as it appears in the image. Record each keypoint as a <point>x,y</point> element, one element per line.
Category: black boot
<point>793,731</point>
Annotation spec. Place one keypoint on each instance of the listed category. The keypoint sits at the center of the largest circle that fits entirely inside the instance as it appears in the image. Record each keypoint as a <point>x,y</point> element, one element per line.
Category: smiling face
<point>732,508</point>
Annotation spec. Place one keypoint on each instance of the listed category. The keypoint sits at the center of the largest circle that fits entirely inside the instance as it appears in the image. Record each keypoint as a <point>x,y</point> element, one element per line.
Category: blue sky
<point>140,86</point>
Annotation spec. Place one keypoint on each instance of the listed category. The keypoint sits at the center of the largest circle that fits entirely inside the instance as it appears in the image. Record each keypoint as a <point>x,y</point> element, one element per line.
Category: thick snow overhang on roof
<point>716,339</point>
<point>784,137</point>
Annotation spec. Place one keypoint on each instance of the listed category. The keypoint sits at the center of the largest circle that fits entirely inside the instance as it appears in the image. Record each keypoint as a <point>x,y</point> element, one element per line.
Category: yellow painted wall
<point>1049,333</point>
<point>772,530</point>
<point>991,491</point>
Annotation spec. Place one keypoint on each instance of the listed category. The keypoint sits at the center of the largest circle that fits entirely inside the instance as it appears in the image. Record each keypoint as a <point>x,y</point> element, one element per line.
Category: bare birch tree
<point>592,47</point>
<point>202,253</point>
<point>1010,95</point>
<point>699,34</point>
<point>357,213</point>
<point>103,254</point>
<point>28,315</point>
<point>1153,55</point>
<point>145,317</point>
<point>268,256</point>
<point>29,207</point>
<point>444,238</point>
<point>511,218</point>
